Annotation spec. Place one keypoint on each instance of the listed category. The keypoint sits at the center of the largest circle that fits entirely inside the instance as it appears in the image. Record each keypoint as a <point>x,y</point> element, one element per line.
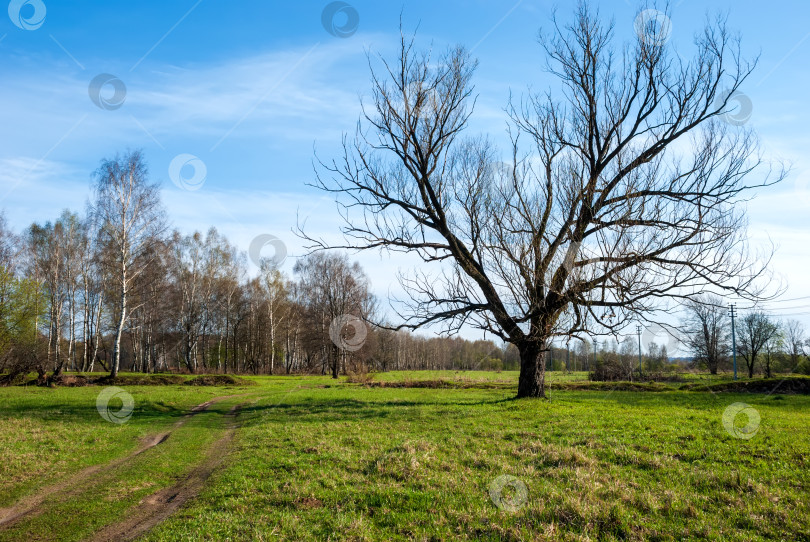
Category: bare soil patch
<point>32,504</point>
<point>158,506</point>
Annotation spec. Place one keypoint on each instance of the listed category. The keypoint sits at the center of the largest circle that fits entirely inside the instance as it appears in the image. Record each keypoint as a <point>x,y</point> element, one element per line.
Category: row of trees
<point>117,288</point>
<point>764,345</point>
<point>763,342</point>
<point>191,305</point>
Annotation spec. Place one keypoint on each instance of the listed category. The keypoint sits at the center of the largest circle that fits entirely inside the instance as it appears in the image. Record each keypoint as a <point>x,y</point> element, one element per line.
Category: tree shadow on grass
<point>333,410</point>
<point>87,411</point>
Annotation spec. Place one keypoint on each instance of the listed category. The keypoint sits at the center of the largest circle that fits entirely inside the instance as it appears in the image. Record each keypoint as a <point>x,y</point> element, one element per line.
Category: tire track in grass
<point>160,505</point>
<point>31,505</point>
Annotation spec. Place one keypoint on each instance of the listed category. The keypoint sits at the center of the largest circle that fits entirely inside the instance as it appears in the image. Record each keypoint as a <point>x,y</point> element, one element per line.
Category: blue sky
<point>251,88</point>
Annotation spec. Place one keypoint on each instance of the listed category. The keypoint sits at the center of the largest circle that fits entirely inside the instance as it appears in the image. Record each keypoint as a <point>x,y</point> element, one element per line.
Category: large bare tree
<point>131,221</point>
<point>619,190</point>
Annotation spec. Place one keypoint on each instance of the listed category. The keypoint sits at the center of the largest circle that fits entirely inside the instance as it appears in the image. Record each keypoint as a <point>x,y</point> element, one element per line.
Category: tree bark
<point>335,361</point>
<point>531,382</point>
<point>96,335</point>
<point>72,331</point>
<point>119,331</point>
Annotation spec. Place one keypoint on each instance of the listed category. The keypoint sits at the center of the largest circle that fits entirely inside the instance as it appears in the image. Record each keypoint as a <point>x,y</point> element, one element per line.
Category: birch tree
<point>130,219</point>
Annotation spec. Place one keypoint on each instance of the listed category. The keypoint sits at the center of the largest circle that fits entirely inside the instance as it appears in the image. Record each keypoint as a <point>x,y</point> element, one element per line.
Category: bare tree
<point>71,239</point>
<point>9,246</point>
<point>619,193</point>
<point>277,306</point>
<point>707,331</point>
<point>755,332</point>
<point>774,344</point>
<point>130,218</point>
<point>795,342</point>
<point>333,288</point>
<point>188,266</point>
<point>91,294</point>
<point>228,295</point>
<point>46,244</point>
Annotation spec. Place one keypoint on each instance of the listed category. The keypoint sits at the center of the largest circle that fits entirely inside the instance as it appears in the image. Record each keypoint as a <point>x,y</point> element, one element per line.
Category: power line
<point>789,299</point>
<point>733,314</point>
<point>766,303</point>
<point>775,309</point>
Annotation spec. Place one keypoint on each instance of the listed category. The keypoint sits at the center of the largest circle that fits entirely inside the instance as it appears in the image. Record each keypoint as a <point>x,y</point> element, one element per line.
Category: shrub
<point>610,369</point>
<point>803,368</point>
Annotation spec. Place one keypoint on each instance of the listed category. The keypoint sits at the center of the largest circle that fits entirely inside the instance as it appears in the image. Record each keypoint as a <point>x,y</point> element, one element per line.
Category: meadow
<point>311,458</point>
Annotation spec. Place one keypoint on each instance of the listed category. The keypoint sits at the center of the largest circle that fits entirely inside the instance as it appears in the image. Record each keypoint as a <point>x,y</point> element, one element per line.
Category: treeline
<point>761,343</point>
<point>117,288</point>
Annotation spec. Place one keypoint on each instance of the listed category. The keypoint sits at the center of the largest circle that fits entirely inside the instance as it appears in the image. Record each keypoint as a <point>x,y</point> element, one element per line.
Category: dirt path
<point>30,505</point>
<point>158,506</point>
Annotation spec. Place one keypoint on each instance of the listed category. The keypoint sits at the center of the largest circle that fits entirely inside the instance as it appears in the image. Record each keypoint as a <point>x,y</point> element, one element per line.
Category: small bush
<point>359,377</point>
<point>803,368</point>
<point>610,370</point>
<point>218,380</point>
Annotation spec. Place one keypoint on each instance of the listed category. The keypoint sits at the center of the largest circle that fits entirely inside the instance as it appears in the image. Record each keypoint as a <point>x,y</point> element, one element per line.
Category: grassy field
<point>315,459</point>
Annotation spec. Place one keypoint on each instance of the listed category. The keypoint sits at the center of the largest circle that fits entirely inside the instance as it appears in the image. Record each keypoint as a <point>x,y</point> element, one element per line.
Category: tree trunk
<point>531,382</point>
<point>271,316</point>
<point>119,331</point>
<point>188,349</point>
<point>335,361</point>
<point>227,337</point>
<point>219,354</point>
<point>96,335</point>
<point>85,337</point>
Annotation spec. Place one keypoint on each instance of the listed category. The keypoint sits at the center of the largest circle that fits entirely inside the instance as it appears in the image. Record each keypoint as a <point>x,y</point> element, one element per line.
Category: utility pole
<point>732,313</point>
<point>638,330</point>
<point>567,356</point>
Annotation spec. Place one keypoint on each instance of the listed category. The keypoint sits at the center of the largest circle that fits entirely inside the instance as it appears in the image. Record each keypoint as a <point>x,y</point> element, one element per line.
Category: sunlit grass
<point>47,433</point>
<point>320,459</point>
<point>416,464</point>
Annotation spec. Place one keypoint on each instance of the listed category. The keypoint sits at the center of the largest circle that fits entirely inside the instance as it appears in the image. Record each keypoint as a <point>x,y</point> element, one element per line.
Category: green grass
<point>474,376</point>
<point>47,434</point>
<point>109,495</point>
<point>316,459</point>
<point>415,464</point>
